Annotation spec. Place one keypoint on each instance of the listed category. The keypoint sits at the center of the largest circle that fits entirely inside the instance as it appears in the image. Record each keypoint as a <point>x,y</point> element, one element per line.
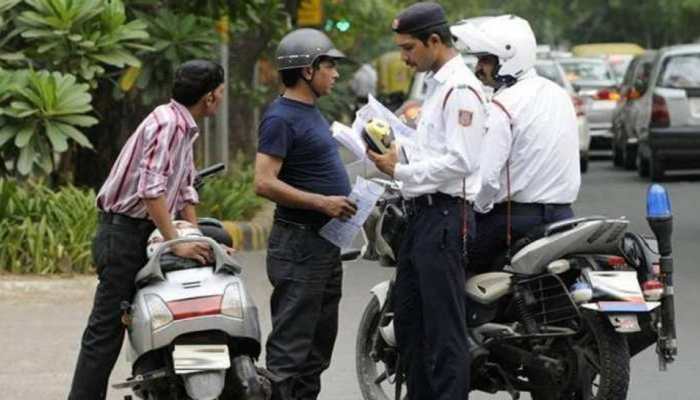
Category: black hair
<point>194,79</point>
<point>290,77</point>
<point>443,31</point>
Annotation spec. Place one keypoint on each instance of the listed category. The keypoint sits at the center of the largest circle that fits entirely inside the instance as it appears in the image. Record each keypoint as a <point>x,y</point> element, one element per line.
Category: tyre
<point>617,156</point>
<point>376,379</point>
<point>584,165</point>
<point>642,165</point>
<point>608,359</point>
<point>657,169</point>
<point>629,157</point>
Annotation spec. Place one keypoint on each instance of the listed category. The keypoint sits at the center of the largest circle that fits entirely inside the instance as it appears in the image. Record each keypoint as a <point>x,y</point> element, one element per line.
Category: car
<point>618,55</point>
<point>551,70</point>
<point>595,83</point>
<point>667,119</point>
<point>626,117</point>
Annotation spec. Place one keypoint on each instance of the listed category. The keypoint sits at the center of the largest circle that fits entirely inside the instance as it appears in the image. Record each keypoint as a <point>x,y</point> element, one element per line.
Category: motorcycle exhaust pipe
<point>660,221</point>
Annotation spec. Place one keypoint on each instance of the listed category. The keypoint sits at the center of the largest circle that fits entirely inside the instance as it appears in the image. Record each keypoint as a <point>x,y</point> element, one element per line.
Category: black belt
<point>297,225</point>
<point>121,219</point>
<point>430,200</point>
<point>527,209</point>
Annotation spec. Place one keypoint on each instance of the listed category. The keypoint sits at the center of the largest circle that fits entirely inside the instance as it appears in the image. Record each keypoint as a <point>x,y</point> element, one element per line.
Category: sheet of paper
<point>365,195</point>
<point>350,139</point>
<point>375,109</point>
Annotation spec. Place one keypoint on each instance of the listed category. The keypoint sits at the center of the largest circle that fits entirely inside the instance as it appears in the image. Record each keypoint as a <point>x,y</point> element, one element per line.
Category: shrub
<point>232,196</point>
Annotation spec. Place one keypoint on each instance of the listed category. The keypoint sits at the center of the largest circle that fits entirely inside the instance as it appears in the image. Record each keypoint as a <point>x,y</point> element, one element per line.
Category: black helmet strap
<point>308,81</point>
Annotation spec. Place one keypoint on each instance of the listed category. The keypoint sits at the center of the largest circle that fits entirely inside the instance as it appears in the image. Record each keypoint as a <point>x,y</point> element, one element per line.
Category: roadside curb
<point>252,235</point>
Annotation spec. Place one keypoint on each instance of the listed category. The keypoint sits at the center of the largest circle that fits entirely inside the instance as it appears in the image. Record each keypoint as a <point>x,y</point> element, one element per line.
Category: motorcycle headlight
<point>232,303</point>
<point>160,314</point>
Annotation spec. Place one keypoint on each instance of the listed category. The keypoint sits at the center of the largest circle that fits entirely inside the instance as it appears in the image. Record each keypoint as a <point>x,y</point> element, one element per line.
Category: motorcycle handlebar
<point>210,170</point>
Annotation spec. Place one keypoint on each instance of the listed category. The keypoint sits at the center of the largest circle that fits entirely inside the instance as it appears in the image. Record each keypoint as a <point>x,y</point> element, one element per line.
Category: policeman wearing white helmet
<point>530,159</point>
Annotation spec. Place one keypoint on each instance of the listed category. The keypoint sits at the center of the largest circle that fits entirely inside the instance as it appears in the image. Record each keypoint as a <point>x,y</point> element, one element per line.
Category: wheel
<point>629,157</point>
<point>657,169</point>
<point>607,358</point>
<point>584,165</point>
<point>617,156</point>
<point>376,378</point>
<point>642,165</point>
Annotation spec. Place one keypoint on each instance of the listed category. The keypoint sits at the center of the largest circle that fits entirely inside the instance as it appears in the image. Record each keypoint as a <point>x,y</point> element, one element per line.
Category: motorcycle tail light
<point>159,312</point>
<point>232,303</point>
<point>653,289</point>
<point>197,307</point>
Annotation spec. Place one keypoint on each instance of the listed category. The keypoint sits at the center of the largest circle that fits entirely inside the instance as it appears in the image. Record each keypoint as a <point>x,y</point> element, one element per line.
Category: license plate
<point>694,106</point>
<point>200,357</point>
<point>624,323</point>
<point>600,105</point>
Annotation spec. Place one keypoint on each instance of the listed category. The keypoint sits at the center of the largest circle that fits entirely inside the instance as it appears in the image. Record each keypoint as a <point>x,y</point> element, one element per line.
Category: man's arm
<point>496,152</point>
<point>268,185</point>
<point>189,213</point>
<point>158,211</point>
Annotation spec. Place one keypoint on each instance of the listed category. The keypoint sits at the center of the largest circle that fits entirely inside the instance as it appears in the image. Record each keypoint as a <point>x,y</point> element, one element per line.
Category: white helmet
<point>508,37</point>
<point>183,228</point>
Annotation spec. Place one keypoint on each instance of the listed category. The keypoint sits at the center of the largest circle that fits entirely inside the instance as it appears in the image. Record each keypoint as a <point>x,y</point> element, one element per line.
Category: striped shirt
<point>156,161</point>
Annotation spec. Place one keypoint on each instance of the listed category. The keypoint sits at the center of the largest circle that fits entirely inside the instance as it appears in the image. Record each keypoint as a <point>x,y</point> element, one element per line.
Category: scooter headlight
<point>160,314</point>
<point>232,303</point>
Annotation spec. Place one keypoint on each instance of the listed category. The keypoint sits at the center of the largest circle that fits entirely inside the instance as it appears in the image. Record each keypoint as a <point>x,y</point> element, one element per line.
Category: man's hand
<point>198,251</point>
<point>385,162</point>
<point>337,207</point>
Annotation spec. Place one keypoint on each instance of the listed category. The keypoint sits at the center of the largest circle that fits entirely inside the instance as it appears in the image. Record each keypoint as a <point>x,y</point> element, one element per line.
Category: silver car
<point>665,112</point>
<point>626,121</point>
<point>595,83</point>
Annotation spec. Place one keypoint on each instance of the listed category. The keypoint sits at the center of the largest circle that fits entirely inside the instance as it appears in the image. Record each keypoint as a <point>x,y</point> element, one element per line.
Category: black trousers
<point>306,273</point>
<point>119,251</point>
<point>491,230</point>
<point>429,304</point>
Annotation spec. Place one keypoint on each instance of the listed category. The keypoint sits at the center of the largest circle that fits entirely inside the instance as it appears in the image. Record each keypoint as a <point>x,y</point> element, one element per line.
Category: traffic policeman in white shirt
<point>442,171</point>
<point>530,161</point>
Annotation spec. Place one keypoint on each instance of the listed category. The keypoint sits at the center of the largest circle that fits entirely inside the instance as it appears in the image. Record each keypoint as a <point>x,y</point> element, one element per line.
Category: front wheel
<point>377,379</point>
<point>606,357</point>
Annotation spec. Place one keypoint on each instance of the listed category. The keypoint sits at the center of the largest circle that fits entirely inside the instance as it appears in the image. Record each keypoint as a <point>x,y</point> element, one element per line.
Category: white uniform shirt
<point>448,136</point>
<point>532,124</point>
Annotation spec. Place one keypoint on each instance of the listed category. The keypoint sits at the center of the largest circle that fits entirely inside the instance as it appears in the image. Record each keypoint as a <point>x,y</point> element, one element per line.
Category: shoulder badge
<point>465,118</point>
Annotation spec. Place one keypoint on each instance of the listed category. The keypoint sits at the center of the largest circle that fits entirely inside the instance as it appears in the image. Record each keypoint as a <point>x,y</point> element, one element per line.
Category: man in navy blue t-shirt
<point>299,168</point>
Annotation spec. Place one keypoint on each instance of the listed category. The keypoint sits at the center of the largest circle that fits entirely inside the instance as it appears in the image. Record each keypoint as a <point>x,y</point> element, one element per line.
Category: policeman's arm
<point>463,118</point>
<point>268,185</point>
<point>494,157</point>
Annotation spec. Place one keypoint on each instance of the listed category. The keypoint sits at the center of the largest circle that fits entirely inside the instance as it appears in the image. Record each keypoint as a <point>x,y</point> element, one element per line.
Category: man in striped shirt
<point>150,183</point>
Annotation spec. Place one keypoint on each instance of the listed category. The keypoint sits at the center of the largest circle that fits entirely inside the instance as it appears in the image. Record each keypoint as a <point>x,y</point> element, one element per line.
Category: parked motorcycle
<point>561,320</point>
<point>193,330</point>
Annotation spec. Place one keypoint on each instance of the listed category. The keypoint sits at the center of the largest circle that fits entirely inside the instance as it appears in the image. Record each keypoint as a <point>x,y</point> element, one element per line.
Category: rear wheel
<point>642,165</point>
<point>657,169</point>
<point>629,156</point>
<point>584,165</point>
<point>606,358</point>
<point>618,157</point>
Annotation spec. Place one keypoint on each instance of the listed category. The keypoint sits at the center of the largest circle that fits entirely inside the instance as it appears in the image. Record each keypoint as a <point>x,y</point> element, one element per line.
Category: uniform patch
<point>465,118</point>
<point>395,24</point>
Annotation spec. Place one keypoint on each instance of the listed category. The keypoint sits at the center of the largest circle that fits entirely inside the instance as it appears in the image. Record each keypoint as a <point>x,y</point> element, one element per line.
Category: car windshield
<point>681,71</point>
<point>619,67</point>
<point>551,72</point>
<point>586,70</point>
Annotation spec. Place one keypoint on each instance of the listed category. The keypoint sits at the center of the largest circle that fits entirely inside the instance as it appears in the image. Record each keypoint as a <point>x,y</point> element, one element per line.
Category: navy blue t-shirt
<point>301,136</point>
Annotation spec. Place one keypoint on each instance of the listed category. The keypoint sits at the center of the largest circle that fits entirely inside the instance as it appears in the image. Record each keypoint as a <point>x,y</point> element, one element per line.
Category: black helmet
<point>302,47</point>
